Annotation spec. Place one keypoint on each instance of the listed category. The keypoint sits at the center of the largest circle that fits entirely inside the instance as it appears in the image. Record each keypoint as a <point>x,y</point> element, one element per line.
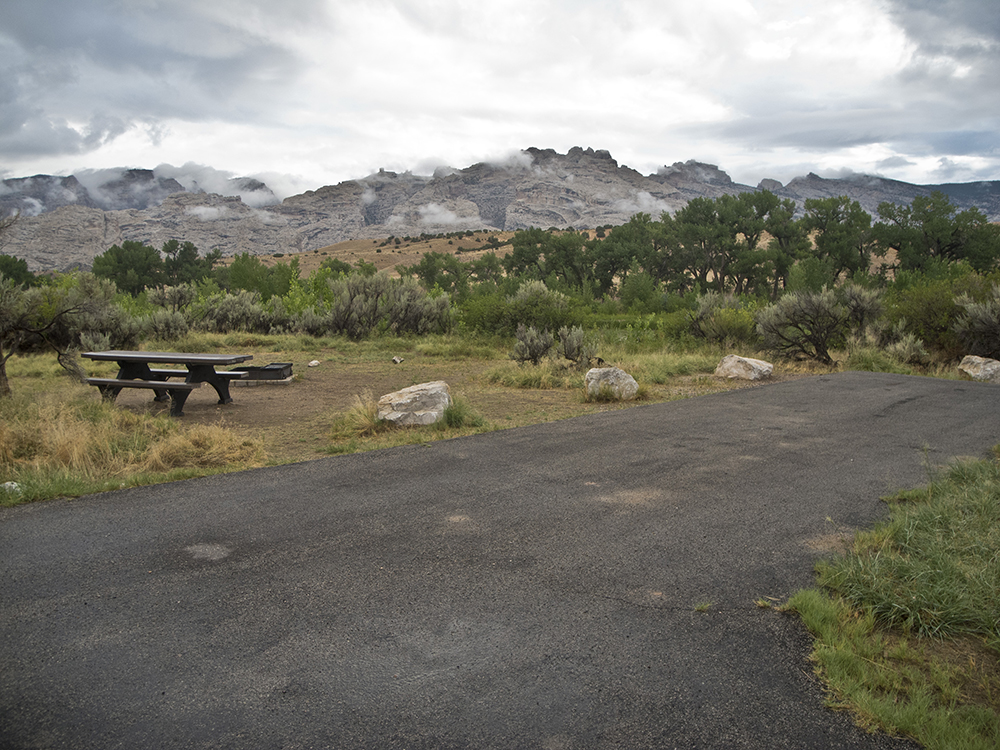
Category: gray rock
<point>980,368</point>
<point>420,404</point>
<point>618,383</point>
<point>583,188</point>
<point>735,367</point>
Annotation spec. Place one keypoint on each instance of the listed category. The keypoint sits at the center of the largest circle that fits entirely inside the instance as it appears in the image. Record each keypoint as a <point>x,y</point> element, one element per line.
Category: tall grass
<point>908,624</point>
<point>74,445</point>
<point>934,567</point>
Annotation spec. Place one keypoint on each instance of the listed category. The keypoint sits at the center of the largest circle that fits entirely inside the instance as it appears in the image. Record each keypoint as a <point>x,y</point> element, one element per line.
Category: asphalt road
<point>532,588</point>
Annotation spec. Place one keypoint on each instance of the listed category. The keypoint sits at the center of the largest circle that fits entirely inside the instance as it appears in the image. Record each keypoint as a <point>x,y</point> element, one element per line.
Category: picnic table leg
<point>140,371</point>
<point>177,399</point>
<point>207,374</point>
<point>109,392</point>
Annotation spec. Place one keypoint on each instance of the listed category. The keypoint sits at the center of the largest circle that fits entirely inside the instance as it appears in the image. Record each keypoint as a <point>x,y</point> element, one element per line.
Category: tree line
<point>745,270</point>
<point>749,244</point>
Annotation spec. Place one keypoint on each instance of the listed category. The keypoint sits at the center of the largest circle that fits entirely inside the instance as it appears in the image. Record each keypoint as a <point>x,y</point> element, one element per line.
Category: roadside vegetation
<point>906,624</point>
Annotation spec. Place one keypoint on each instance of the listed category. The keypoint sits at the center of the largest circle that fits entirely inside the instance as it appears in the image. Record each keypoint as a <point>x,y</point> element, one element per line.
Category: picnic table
<point>134,371</point>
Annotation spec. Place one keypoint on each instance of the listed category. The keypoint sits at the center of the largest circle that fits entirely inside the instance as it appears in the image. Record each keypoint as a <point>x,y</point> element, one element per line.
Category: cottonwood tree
<point>932,227</point>
<point>132,265</point>
<point>842,233</point>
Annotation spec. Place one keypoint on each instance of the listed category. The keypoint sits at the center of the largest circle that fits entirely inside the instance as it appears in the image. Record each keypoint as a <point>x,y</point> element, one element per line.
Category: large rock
<point>618,383</point>
<point>980,368</point>
<point>417,405</point>
<point>735,367</point>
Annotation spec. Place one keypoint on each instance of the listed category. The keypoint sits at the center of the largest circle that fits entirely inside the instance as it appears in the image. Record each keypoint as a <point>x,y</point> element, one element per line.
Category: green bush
<point>927,304</point>
<point>532,304</point>
<point>238,311</point>
<point>536,305</point>
<point>721,319</point>
<point>979,327</point>
<point>804,325</point>
<point>532,345</point>
<point>166,325</point>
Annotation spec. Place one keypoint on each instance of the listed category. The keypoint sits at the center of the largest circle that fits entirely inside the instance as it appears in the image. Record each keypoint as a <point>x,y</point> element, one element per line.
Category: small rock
<point>620,384</point>
<point>982,369</point>
<point>743,368</point>
<point>314,363</point>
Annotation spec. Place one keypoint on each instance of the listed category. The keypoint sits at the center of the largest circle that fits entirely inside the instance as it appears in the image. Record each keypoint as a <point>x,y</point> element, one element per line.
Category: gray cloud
<point>315,91</point>
<point>84,73</point>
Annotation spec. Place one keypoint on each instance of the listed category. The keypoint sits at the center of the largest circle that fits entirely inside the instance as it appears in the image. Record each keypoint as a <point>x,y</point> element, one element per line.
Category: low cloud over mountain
<point>68,220</point>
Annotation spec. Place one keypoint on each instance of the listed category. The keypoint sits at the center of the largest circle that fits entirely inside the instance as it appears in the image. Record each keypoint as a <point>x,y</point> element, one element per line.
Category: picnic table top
<point>183,358</point>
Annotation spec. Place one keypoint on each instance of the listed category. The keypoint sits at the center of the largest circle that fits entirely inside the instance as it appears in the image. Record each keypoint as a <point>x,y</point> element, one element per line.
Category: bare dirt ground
<point>295,419</point>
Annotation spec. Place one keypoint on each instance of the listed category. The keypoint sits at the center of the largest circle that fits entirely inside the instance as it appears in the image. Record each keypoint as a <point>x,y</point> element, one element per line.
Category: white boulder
<point>618,383</point>
<point>417,405</point>
<point>980,368</point>
<point>734,367</point>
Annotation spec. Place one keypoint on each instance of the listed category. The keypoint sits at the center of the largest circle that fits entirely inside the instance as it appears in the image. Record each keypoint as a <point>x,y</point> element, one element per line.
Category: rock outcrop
<point>65,224</point>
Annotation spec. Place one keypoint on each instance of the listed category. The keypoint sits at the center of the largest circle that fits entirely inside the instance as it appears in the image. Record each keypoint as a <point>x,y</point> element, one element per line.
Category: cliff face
<point>65,224</point>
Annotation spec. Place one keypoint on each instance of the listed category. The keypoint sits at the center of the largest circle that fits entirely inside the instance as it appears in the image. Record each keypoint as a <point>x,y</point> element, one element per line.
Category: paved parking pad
<point>588,583</point>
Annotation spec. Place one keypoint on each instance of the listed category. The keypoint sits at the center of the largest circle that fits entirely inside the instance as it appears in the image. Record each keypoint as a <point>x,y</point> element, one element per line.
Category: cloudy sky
<point>304,93</point>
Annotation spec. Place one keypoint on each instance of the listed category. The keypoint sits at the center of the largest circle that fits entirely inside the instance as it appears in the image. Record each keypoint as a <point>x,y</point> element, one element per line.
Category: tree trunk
<point>4,383</point>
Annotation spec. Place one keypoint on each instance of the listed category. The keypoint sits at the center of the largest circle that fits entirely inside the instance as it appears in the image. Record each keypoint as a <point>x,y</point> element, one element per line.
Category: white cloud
<point>207,213</point>
<point>642,202</point>
<point>435,214</point>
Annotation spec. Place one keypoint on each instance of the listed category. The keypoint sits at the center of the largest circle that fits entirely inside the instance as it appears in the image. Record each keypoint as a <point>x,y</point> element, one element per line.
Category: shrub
<point>165,324</point>
<point>238,311</point>
<point>535,305</point>
<point>883,342</point>
<point>804,325</point>
<point>531,345</point>
<point>722,319</point>
<point>574,347</point>
<point>979,328</point>
<point>362,303</point>
<point>863,306</point>
<point>928,306</point>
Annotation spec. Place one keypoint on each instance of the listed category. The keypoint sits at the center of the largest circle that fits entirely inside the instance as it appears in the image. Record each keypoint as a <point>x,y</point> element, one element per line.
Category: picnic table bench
<point>134,371</point>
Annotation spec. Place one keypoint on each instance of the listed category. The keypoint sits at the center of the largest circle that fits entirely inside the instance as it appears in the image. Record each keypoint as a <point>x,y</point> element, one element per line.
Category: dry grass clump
<point>56,446</point>
<point>204,447</point>
<point>360,420</point>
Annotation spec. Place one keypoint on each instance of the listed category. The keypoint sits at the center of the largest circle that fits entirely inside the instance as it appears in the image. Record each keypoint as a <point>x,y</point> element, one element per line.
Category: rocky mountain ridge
<point>65,223</point>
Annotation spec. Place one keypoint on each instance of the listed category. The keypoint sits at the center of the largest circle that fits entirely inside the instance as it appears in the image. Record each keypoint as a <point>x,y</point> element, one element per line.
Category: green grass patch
<point>870,359</point>
<point>545,376</point>
<point>907,623</point>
